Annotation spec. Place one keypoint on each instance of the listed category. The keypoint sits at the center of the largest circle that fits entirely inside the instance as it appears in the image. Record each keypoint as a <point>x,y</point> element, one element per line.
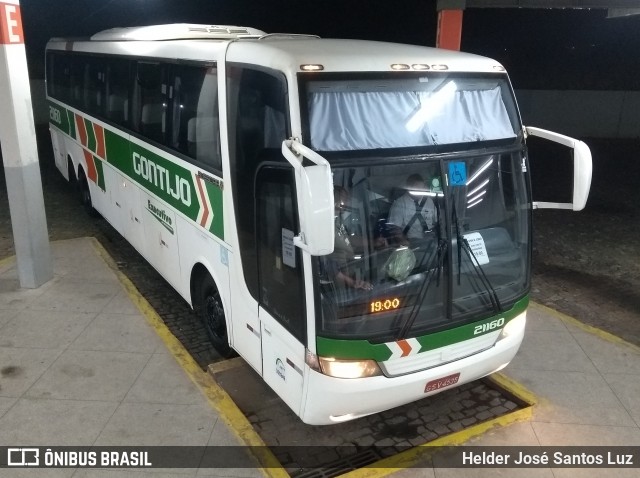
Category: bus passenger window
<point>117,96</point>
<point>150,101</point>
<point>195,125</point>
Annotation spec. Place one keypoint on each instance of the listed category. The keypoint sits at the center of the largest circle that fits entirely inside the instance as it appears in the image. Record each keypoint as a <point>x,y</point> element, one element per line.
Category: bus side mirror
<point>582,169</point>
<point>314,189</point>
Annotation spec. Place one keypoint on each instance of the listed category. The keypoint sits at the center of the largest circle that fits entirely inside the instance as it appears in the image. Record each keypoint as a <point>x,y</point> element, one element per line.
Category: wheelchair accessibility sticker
<point>457,173</point>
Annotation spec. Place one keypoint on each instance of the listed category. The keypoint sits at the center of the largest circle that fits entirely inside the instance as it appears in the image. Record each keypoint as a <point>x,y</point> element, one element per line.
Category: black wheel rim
<point>214,317</point>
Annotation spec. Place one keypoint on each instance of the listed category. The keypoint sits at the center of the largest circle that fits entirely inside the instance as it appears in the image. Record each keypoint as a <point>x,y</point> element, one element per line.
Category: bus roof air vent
<point>177,31</point>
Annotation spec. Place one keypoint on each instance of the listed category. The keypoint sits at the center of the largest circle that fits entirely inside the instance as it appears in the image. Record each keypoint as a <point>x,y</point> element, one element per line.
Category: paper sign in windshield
<point>288,249</point>
<point>476,242</point>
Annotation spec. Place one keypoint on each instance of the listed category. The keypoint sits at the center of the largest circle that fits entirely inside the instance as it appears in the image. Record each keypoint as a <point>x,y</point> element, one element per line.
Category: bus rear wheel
<point>212,315</point>
<point>85,194</point>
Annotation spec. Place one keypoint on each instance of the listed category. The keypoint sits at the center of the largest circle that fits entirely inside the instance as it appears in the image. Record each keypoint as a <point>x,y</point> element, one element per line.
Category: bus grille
<point>440,356</point>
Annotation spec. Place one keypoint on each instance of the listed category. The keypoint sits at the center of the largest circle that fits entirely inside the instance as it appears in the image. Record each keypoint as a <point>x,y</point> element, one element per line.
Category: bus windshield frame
<point>471,259</point>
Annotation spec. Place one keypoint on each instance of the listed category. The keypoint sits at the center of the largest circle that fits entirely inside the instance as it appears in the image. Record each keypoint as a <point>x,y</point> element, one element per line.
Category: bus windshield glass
<point>422,241</point>
<point>413,111</point>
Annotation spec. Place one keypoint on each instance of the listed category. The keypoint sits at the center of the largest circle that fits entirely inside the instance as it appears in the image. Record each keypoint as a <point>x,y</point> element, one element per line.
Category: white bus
<point>353,218</point>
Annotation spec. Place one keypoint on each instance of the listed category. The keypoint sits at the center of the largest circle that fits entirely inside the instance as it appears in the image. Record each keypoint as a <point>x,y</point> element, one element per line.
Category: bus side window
<point>195,126</point>
<point>117,94</point>
<point>150,101</point>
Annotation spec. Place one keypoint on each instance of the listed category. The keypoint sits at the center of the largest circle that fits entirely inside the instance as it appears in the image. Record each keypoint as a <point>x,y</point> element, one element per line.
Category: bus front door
<point>282,307</point>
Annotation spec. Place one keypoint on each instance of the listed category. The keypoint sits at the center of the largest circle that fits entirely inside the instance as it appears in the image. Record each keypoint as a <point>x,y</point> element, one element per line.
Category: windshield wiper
<point>439,255</point>
<point>463,244</point>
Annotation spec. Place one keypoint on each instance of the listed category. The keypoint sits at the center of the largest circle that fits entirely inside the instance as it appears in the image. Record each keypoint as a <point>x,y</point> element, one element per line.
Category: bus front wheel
<point>212,315</point>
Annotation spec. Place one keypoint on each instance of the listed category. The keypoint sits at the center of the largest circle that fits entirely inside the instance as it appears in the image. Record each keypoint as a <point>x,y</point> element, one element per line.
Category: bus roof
<point>284,51</point>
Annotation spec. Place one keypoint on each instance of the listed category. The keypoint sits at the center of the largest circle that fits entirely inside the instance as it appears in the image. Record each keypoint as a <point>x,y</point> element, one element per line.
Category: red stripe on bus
<point>405,347</point>
<point>82,130</point>
<point>92,172</point>
<point>205,215</point>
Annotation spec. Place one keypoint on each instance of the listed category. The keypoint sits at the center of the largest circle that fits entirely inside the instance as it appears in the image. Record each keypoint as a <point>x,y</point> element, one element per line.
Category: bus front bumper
<point>331,400</point>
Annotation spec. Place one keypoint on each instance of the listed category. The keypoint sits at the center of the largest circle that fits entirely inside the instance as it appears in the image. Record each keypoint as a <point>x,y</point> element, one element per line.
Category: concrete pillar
<point>449,33</point>
<point>20,154</point>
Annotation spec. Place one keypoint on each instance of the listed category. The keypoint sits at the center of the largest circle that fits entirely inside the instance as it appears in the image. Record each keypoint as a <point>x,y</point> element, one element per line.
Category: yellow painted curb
<point>609,337</point>
<point>6,262</point>
<point>218,399</point>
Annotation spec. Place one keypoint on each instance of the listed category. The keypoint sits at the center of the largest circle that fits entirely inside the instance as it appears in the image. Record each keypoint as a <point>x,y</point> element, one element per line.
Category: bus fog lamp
<point>349,368</point>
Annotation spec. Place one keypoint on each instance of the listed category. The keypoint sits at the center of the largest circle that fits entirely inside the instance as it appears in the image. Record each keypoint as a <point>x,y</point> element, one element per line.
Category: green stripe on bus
<point>91,136</point>
<point>100,171</point>
<point>363,349</point>
<point>215,198</point>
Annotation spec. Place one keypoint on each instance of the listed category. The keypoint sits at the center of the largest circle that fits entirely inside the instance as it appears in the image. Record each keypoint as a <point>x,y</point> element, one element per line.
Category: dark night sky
<point>582,48</point>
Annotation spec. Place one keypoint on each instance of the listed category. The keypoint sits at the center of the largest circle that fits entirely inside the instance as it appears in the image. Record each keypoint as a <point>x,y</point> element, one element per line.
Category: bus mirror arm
<point>314,192</point>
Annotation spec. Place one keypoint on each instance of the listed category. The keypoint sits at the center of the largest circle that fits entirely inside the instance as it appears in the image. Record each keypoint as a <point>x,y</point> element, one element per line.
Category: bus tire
<point>211,313</point>
<point>85,194</point>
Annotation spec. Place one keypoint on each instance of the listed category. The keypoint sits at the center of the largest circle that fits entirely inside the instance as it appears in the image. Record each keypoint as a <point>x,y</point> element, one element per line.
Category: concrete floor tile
<point>547,350</point>
<point>493,473</point>
<point>627,389</point>
<point>573,397</point>
<point>43,329</point>
<point>538,321</point>
<point>38,473</point>
<point>54,422</point>
<point>65,296</point>
<point>117,333</point>
<point>7,314</point>
<point>139,424</point>
<point>121,304</point>
<point>163,381</point>
<point>13,297</point>
<point>20,368</point>
<point>241,473</point>
<point>563,434</point>
<point>609,357</point>
<point>596,473</point>
<point>135,473</point>
<point>90,375</point>
<point>88,267</point>
<point>6,403</point>
<point>516,434</point>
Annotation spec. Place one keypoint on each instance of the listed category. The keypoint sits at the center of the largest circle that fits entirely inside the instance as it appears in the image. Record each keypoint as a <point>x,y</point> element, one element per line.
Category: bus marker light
<point>443,382</point>
<point>399,66</point>
<point>312,67</point>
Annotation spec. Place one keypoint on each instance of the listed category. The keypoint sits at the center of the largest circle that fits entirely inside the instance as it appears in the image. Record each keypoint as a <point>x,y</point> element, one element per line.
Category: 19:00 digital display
<point>384,305</point>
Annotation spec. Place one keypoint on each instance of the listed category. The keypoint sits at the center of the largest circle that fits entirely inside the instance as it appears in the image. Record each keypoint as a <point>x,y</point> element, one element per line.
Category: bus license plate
<point>442,382</point>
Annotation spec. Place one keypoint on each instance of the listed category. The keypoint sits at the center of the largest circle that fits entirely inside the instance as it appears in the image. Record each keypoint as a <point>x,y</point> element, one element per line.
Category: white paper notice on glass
<point>479,250</point>
<point>288,249</point>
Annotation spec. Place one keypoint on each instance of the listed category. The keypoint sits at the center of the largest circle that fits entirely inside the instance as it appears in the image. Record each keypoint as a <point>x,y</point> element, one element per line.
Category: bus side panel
<point>197,247</point>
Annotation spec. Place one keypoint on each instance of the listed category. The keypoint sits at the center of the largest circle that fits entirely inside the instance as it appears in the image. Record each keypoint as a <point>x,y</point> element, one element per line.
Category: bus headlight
<point>514,327</point>
<point>343,368</point>
<point>349,368</point>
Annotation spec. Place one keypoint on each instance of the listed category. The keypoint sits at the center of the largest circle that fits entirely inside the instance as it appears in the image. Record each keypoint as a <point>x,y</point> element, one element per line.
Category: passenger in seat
<point>413,213</point>
<point>343,253</point>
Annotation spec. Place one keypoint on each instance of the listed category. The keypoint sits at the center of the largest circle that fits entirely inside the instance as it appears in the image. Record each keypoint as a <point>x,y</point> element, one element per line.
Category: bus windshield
<point>422,241</point>
<point>412,111</point>
<point>413,255</point>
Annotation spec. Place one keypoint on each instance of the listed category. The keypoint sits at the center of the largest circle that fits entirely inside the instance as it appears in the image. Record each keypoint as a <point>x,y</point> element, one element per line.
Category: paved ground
<point>80,365</point>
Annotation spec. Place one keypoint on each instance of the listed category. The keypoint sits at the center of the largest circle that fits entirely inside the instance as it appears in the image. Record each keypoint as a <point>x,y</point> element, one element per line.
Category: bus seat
<point>202,139</point>
<point>116,110</point>
<point>152,121</point>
